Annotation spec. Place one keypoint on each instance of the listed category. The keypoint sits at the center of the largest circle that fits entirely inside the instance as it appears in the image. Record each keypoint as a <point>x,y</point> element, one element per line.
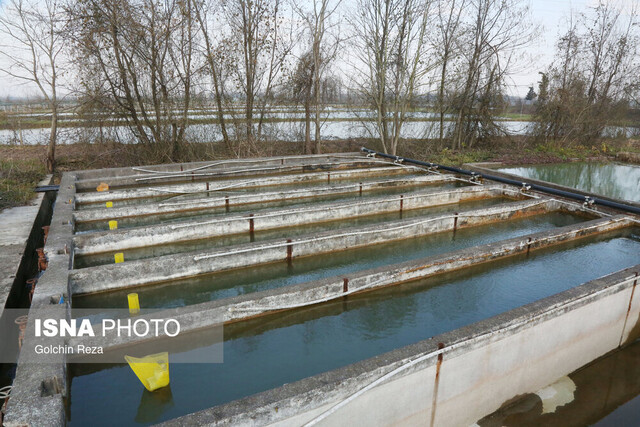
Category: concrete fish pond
<point>336,289</point>
<point>620,181</point>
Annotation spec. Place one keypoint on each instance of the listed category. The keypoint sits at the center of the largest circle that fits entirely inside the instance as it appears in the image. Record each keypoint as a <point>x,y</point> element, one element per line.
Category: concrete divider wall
<point>109,241</point>
<point>232,200</point>
<point>477,369</point>
<point>170,267</point>
<point>242,307</point>
<point>202,186</point>
<point>39,390</point>
<point>96,174</point>
<point>160,178</point>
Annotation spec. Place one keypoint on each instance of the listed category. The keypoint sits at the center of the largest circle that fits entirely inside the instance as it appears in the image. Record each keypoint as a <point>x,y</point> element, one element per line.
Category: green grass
<point>577,151</point>
<point>458,158</point>
<point>18,178</point>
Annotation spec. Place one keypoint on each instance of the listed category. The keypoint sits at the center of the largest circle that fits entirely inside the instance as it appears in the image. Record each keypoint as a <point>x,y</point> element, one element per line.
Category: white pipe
<point>359,233</point>
<point>190,173</point>
<point>139,169</point>
<point>314,209</point>
<point>236,184</point>
<point>389,280</point>
<point>5,392</point>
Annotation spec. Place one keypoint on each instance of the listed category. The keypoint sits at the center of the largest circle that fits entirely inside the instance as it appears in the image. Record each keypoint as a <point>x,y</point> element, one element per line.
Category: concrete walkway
<point>15,227</point>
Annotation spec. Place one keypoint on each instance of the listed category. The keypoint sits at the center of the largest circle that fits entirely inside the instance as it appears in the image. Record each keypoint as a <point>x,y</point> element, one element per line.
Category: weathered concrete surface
<point>119,240</point>
<point>215,201</point>
<point>224,164</point>
<point>171,267</point>
<point>266,181</point>
<point>36,402</point>
<point>37,397</point>
<point>480,367</point>
<point>240,171</point>
<point>208,314</point>
<point>15,227</point>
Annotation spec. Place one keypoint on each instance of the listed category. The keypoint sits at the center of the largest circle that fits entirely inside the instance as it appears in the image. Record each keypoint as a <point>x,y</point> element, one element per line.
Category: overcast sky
<point>551,14</point>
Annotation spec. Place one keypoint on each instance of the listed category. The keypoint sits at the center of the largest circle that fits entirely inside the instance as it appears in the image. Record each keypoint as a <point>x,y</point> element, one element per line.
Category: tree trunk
<point>53,134</point>
<point>441,95</point>
<point>317,129</point>
<point>308,148</point>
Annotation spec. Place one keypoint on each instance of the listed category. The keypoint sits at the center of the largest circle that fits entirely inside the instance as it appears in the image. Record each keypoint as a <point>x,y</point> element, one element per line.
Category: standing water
<point>306,269</point>
<point>607,179</point>
<point>271,351</point>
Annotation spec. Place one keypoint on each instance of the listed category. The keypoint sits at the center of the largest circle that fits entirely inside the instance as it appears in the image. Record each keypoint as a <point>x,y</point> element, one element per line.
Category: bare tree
<point>592,76</point>
<point>142,53</point>
<point>495,33</point>
<point>254,54</point>
<point>323,50</point>
<point>391,46</point>
<point>302,84</point>
<point>448,17</point>
<point>203,11</point>
<point>31,46</point>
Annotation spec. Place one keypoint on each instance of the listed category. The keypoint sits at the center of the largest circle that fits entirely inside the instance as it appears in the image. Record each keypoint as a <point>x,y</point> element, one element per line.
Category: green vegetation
<point>457,158</point>
<point>17,181</point>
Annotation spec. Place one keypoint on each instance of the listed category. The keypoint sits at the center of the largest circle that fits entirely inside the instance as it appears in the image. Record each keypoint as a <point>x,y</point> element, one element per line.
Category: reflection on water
<point>608,179</point>
<point>337,181</point>
<point>153,404</point>
<point>260,278</point>
<point>268,352</point>
<point>254,208</point>
<point>607,394</point>
<point>81,261</point>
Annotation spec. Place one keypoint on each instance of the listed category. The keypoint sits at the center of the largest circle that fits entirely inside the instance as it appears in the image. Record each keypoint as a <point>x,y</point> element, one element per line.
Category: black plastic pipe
<point>45,188</point>
<point>542,188</point>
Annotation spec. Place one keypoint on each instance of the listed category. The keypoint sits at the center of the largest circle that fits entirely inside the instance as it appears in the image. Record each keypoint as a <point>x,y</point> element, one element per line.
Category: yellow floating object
<point>134,303</point>
<point>113,225</point>
<point>102,187</point>
<point>109,204</point>
<point>151,370</point>
<point>119,257</point>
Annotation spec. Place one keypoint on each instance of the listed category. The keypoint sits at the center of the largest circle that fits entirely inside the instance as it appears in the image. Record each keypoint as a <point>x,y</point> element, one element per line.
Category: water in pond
<point>284,232</point>
<point>607,394</point>
<point>268,352</point>
<point>164,197</point>
<point>84,227</point>
<point>607,179</point>
<point>260,278</point>
<point>257,172</point>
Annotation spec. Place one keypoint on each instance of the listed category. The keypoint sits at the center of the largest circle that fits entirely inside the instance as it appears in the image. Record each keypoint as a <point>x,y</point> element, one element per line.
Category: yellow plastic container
<point>151,370</point>
<point>134,303</point>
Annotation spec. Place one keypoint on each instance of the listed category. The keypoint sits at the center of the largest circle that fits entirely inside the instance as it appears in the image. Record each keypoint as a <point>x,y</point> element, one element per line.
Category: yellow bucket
<point>151,370</point>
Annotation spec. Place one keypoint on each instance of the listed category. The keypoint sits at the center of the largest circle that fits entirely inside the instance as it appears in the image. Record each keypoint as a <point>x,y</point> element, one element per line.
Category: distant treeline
<point>152,63</point>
